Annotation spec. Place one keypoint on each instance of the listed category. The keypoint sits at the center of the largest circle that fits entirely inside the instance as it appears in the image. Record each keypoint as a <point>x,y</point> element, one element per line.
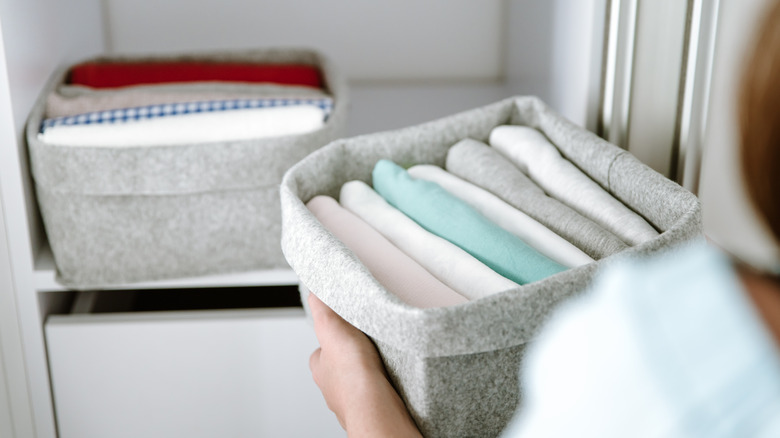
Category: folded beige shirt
<point>71,100</point>
<point>396,271</point>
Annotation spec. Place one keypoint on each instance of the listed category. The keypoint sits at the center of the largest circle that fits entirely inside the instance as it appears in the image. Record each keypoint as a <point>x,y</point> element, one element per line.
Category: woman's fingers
<point>324,319</point>
<point>314,365</point>
<point>331,330</point>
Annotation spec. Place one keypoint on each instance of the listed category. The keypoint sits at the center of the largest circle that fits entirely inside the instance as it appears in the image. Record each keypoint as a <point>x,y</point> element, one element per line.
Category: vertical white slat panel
<point>658,64</point>
<point>577,46</point>
<point>694,108</point>
<point>618,71</point>
<point>398,40</point>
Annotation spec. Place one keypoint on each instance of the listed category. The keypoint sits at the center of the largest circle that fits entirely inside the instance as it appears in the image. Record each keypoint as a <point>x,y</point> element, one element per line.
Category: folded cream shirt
<point>450,264</point>
<point>505,216</point>
<point>396,271</point>
<point>530,150</point>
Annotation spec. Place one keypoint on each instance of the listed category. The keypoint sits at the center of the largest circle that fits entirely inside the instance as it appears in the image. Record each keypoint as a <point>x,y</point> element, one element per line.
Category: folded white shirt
<point>451,265</point>
<point>505,216</point>
<point>200,127</point>
<point>530,151</point>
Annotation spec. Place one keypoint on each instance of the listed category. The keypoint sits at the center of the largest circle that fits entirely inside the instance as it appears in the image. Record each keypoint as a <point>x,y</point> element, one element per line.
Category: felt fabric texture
<point>455,366</point>
<point>117,215</point>
<point>119,239</point>
<point>439,212</point>
<point>122,74</point>
<point>183,129</point>
<point>478,163</point>
<point>70,100</point>
<point>447,262</point>
<point>396,271</point>
<point>533,153</point>
<point>504,215</point>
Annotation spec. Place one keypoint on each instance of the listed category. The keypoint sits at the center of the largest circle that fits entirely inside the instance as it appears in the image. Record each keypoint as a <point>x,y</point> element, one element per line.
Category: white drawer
<point>213,373</point>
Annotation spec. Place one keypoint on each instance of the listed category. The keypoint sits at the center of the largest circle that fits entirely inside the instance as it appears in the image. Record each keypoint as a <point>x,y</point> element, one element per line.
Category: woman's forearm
<point>379,412</point>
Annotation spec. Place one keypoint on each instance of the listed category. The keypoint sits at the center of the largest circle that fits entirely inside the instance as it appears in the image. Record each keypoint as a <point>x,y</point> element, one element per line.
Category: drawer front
<point>238,373</point>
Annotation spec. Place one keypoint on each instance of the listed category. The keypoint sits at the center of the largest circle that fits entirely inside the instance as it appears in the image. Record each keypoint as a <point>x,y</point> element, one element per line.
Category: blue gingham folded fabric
<point>175,109</point>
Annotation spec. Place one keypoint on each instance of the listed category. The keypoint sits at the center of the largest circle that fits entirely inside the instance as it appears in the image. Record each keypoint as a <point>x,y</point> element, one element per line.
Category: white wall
<point>368,40</point>
<point>553,51</point>
<point>529,47</point>
<point>729,219</point>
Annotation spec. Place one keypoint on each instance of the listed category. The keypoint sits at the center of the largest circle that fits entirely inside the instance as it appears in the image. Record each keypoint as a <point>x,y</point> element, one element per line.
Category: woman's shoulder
<point>666,344</point>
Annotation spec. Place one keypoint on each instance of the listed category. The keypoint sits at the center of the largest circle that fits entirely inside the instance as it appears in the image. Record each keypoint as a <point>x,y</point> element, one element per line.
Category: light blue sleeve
<point>665,348</point>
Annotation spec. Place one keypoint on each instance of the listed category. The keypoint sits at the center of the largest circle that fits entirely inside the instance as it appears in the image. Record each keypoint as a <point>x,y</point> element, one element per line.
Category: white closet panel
<point>37,37</point>
<point>40,36</point>
<point>15,414</point>
<point>6,422</point>
<point>368,40</point>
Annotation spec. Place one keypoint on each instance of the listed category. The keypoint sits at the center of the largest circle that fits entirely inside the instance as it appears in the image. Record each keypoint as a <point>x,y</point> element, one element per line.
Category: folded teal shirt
<point>450,218</point>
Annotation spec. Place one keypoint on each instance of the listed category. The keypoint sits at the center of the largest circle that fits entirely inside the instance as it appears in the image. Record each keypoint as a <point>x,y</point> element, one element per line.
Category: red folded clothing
<point>121,74</point>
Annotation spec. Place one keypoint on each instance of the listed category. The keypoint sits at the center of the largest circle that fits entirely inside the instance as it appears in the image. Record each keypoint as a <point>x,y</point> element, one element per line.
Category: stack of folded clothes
<point>156,167</point>
<point>498,216</point>
<point>169,103</point>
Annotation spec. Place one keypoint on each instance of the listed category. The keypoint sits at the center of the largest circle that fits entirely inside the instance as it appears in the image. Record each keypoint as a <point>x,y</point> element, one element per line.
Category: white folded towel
<point>530,151</point>
<point>505,216</point>
<point>217,126</point>
<point>451,265</point>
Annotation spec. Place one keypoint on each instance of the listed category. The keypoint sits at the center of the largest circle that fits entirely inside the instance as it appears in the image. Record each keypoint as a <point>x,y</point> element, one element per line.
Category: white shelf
<point>45,278</point>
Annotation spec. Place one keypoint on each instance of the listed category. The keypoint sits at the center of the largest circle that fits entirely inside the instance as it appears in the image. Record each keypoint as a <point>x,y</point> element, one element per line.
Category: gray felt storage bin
<point>127,214</point>
<point>457,367</point>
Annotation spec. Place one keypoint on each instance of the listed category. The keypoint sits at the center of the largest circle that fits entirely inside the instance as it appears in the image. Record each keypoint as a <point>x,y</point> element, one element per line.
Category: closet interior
<point>108,354</point>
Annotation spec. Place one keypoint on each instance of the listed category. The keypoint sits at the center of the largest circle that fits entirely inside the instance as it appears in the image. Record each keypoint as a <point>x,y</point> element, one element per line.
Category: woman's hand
<point>350,374</point>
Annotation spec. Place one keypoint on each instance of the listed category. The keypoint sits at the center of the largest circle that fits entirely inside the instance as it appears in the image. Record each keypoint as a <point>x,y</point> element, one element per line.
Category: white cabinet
<point>407,61</point>
<point>232,373</point>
